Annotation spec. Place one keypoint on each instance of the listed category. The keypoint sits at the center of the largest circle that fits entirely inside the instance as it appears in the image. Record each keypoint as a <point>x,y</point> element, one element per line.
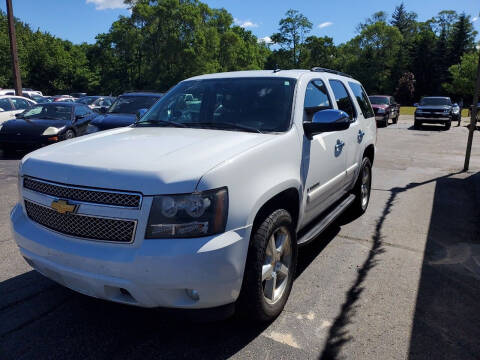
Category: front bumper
<point>381,117</point>
<point>147,273</point>
<point>433,119</point>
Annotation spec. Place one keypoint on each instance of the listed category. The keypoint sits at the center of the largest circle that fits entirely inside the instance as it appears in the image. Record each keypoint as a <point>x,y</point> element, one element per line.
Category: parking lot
<point>403,281</point>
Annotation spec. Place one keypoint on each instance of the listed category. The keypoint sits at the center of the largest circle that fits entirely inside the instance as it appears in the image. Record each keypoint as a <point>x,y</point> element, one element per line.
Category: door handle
<point>339,147</point>
<point>360,136</point>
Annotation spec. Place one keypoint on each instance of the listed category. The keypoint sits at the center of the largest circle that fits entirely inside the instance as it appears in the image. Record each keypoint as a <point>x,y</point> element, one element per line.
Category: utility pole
<point>473,120</point>
<point>17,80</point>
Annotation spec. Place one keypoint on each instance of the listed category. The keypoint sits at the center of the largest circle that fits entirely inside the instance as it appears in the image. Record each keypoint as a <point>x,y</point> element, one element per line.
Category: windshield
<point>49,112</point>
<point>378,100</point>
<point>243,104</point>
<point>436,101</point>
<point>131,104</point>
<point>87,100</point>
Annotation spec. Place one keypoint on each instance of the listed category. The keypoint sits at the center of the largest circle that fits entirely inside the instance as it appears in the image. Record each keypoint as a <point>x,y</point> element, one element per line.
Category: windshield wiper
<point>161,122</point>
<point>222,126</point>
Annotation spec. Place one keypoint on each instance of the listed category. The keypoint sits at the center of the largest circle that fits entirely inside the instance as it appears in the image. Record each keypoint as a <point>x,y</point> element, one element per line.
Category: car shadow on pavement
<point>429,127</point>
<point>446,195</point>
<point>446,322</point>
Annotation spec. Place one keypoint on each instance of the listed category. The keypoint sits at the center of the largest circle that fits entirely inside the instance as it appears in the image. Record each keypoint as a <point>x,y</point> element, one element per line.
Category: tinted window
<point>436,101</point>
<point>20,104</point>
<point>362,99</point>
<point>81,111</point>
<point>316,98</point>
<point>379,100</point>
<point>87,100</point>
<point>342,98</point>
<point>131,104</point>
<point>5,105</point>
<point>262,104</point>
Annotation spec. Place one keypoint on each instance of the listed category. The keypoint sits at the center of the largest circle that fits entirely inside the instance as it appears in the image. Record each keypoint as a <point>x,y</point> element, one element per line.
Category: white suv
<point>204,200</point>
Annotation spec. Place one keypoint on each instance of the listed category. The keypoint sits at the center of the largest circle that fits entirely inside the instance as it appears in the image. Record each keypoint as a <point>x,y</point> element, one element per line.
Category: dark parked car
<point>435,110</point>
<point>385,108</point>
<point>78,95</point>
<point>45,124</point>
<point>123,111</point>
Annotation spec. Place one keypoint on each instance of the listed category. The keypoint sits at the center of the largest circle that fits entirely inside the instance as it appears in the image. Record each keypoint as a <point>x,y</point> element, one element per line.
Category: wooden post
<point>17,80</point>
<point>473,120</point>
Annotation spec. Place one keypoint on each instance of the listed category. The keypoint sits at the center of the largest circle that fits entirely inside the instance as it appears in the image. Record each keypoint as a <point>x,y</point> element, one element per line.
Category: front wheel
<point>362,189</point>
<point>270,267</point>
<point>69,134</point>
<point>448,125</point>
<point>417,124</point>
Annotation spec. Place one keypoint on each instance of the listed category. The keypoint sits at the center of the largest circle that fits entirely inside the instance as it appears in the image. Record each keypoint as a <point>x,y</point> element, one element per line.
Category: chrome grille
<point>80,194</point>
<point>83,226</point>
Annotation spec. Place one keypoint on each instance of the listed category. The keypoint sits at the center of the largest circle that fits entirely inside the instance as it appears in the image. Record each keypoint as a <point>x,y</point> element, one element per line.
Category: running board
<point>327,220</point>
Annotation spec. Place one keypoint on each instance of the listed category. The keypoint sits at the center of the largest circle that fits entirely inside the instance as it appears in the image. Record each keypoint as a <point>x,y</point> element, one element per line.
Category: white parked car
<point>11,105</point>
<point>203,202</point>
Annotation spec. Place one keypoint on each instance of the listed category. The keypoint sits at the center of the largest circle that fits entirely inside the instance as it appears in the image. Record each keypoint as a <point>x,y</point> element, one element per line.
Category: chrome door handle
<point>339,146</point>
<point>360,136</point>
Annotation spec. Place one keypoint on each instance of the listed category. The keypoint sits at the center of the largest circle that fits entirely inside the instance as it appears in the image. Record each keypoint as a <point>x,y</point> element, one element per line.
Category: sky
<point>81,20</point>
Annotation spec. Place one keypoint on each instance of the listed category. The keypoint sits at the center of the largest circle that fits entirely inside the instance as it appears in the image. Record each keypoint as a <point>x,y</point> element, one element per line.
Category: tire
<point>69,134</point>
<point>448,125</point>
<point>417,124</point>
<point>263,271</point>
<point>362,189</point>
<point>395,120</point>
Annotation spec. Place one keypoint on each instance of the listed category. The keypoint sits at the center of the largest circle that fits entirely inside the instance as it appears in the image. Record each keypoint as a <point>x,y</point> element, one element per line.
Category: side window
<point>20,104</point>
<point>363,100</point>
<point>5,105</point>
<point>316,98</point>
<point>342,98</point>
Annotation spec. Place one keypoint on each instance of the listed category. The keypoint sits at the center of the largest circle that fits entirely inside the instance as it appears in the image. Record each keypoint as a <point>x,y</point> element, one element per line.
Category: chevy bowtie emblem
<point>63,207</point>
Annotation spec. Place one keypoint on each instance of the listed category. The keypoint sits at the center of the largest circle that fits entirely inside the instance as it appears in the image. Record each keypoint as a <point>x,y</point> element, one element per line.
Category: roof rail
<point>320,69</point>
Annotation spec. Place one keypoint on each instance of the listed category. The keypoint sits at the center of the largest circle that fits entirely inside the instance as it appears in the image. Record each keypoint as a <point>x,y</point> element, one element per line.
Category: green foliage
<point>463,75</point>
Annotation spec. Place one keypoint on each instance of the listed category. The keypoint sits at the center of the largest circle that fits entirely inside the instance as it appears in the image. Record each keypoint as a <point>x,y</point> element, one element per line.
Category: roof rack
<point>320,69</point>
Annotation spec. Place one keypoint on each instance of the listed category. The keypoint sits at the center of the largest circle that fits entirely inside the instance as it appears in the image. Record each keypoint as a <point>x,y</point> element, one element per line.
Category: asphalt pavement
<point>400,282</point>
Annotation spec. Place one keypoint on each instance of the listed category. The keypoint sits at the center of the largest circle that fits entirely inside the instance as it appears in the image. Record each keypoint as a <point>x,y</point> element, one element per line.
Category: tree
<point>463,76</point>
<point>292,31</point>
<point>318,51</point>
<point>462,38</point>
<point>406,88</point>
<point>403,20</point>
<point>379,16</point>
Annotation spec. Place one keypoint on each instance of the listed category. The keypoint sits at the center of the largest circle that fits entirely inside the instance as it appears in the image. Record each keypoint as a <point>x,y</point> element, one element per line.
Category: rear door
<point>324,156</point>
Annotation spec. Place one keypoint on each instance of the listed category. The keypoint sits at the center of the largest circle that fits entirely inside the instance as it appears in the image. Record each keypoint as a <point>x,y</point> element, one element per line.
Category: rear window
<point>362,99</point>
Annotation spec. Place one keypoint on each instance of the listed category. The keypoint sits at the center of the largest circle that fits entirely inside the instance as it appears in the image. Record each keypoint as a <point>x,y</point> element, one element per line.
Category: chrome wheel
<point>276,266</point>
<point>365,186</point>
<point>69,134</point>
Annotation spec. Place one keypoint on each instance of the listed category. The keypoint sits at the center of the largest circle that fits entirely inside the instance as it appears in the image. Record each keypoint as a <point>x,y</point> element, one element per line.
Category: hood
<point>30,126</point>
<point>110,121</point>
<point>379,106</point>
<point>150,160</point>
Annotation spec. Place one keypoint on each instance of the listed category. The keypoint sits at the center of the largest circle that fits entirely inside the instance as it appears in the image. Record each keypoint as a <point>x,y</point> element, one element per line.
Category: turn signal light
<point>53,138</point>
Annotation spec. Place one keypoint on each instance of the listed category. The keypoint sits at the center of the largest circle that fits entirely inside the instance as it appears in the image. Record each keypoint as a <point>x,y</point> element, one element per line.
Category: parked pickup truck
<point>435,110</point>
<point>385,108</point>
<point>203,201</point>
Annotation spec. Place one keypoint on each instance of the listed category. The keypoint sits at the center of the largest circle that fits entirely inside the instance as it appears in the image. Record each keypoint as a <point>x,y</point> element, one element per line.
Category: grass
<point>409,110</point>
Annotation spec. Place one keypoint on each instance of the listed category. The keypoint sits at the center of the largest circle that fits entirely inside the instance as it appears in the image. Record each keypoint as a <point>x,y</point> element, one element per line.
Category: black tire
<point>253,302</point>
<point>360,205</point>
<point>448,125</point>
<point>69,134</point>
<point>417,124</point>
<point>395,120</point>
<point>8,151</point>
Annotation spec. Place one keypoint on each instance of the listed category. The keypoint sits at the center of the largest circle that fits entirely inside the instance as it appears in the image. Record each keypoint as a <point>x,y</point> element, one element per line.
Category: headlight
<point>455,110</point>
<point>19,181</point>
<point>52,130</point>
<point>1,125</point>
<point>381,111</point>
<point>188,215</point>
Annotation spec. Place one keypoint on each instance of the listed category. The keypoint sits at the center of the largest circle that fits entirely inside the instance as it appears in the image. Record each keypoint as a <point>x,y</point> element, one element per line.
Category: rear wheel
<point>270,267</point>
<point>362,189</point>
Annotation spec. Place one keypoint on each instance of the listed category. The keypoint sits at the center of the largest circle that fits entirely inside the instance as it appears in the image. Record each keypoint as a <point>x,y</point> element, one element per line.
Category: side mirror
<point>19,115</point>
<point>103,109</point>
<point>416,104</point>
<point>140,113</point>
<point>327,121</point>
<point>78,117</point>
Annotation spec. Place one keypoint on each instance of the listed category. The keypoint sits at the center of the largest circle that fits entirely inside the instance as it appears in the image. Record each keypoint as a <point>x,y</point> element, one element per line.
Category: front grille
<point>80,194</point>
<point>83,226</point>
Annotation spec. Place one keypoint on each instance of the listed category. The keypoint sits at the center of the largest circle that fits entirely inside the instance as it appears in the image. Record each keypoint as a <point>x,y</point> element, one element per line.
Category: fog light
<point>193,294</point>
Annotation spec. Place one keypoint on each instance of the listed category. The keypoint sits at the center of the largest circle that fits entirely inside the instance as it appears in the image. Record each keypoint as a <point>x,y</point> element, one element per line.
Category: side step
<point>325,221</point>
